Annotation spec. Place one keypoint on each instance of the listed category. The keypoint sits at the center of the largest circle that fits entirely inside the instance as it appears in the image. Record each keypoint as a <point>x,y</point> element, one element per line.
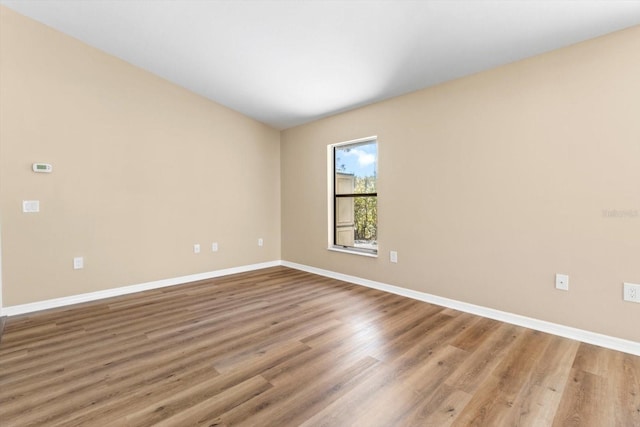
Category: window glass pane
<point>366,222</point>
<point>356,168</point>
<point>357,222</point>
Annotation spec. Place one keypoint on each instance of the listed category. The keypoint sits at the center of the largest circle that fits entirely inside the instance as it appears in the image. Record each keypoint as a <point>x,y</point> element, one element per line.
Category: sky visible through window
<point>360,160</point>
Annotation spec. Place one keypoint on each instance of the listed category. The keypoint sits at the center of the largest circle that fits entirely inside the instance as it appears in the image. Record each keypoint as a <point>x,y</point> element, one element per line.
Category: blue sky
<point>360,160</point>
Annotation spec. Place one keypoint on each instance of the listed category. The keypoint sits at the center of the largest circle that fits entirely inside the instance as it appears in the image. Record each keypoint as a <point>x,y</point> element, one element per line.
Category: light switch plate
<point>31,206</point>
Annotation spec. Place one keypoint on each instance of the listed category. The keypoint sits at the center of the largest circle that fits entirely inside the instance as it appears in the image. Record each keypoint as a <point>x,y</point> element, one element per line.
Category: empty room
<point>319,213</point>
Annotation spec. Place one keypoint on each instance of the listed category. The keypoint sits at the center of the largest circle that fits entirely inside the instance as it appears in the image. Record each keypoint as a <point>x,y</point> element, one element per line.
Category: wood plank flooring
<point>280,347</point>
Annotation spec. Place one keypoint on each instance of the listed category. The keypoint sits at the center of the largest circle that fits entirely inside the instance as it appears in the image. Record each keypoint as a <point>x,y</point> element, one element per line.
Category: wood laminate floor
<point>280,347</point>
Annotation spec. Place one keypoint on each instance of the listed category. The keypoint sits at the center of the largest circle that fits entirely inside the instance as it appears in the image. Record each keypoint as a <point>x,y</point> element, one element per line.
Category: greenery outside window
<point>354,196</point>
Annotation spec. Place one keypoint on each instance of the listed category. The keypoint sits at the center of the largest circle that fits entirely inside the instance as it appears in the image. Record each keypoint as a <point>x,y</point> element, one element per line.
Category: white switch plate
<point>393,256</point>
<point>214,247</point>
<point>260,242</point>
<point>31,206</point>
<point>562,282</point>
<point>196,248</point>
<point>78,263</point>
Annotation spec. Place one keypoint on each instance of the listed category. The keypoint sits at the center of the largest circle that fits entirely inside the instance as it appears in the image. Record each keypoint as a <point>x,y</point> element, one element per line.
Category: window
<point>353,215</point>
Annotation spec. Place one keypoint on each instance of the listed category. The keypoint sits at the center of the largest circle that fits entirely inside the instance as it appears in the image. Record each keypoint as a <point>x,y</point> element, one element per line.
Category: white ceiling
<point>286,63</point>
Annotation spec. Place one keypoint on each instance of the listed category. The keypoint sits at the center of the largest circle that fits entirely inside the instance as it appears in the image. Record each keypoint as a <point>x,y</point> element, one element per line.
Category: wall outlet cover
<point>631,292</point>
<point>562,282</point>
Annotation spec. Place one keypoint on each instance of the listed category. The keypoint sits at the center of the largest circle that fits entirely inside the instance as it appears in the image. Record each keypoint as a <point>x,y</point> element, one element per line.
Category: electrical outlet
<point>393,257</point>
<point>78,263</point>
<point>562,282</point>
<point>196,248</point>
<point>631,292</point>
<point>260,242</point>
<point>214,247</point>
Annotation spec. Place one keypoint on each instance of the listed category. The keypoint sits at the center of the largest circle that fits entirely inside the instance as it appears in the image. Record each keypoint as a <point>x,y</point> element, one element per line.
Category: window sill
<point>353,252</point>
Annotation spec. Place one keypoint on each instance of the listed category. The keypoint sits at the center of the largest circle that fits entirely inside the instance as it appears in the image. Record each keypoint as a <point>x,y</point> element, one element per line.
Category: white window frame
<point>331,167</point>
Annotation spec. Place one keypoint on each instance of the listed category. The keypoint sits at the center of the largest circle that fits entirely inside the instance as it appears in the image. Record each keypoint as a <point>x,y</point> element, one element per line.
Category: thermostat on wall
<point>42,167</point>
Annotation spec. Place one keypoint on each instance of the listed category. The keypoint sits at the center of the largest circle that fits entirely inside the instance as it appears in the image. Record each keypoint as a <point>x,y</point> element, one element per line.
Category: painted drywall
<point>491,184</point>
<point>142,170</point>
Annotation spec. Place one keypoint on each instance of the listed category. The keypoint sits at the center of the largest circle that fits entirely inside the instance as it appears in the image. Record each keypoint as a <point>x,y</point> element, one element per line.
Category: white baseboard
<point>601,340</point>
<point>114,292</point>
<point>605,341</point>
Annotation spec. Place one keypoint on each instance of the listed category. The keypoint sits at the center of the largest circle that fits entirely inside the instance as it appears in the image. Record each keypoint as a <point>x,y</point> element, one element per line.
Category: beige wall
<point>142,170</point>
<point>491,184</point>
